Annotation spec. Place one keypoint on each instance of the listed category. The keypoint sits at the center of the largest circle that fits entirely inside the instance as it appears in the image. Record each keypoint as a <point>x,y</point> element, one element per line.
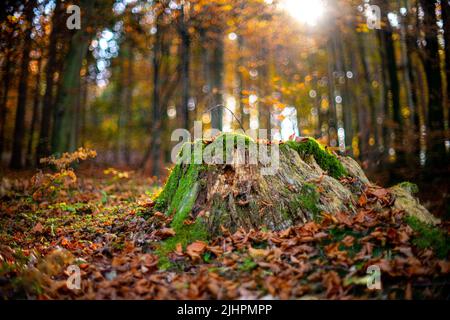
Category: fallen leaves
<point>165,233</point>
<point>115,248</point>
<point>257,253</point>
<point>195,249</point>
<point>38,228</point>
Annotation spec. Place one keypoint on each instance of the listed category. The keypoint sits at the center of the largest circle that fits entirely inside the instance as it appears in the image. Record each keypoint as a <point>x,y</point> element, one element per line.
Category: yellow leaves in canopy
<point>34,67</point>
<point>362,27</point>
<point>12,19</point>
<point>285,90</point>
<point>324,105</point>
<point>110,125</point>
<point>279,105</point>
<point>242,69</point>
<point>227,7</point>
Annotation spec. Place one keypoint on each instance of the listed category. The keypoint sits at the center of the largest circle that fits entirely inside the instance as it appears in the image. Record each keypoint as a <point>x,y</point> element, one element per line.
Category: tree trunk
<point>128,116</point>
<point>6,81</point>
<point>64,126</point>
<point>185,67</point>
<point>445,6</point>
<point>387,41</point>
<point>244,118</point>
<point>19,128</point>
<point>217,70</point>
<point>43,148</point>
<point>155,149</point>
<point>347,101</point>
<point>433,71</point>
<point>84,108</point>
<point>331,94</point>
<point>118,105</point>
<point>392,72</point>
<point>384,131</point>
<point>35,115</point>
<point>369,123</point>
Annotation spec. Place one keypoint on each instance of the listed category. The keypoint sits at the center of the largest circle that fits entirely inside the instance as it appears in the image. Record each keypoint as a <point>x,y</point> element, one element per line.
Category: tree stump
<point>310,181</point>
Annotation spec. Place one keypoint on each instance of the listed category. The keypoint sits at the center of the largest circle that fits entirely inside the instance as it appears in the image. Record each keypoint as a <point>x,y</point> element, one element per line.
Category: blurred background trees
<point>136,70</point>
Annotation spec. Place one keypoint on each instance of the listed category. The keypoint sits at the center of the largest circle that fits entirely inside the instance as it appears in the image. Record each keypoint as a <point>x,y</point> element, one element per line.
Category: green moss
<point>164,198</point>
<point>178,199</point>
<point>181,205</point>
<point>234,140</point>
<point>182,176</point>
<point>309,198</point>
<point>428,236</point>
<point>248,265</point>
<point>185,235</point>
<point>324,158</point>
<point>409,186</point>
<point>235,137</point>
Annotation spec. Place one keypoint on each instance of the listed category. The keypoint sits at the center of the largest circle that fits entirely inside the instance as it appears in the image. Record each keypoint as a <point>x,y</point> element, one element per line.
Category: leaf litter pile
<point>104,224</point>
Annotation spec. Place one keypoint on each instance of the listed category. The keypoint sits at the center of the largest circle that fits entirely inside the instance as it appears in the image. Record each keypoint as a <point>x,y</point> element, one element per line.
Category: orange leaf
<point>195,249</point>
<point>362,200</point>
<point>38,228</point>
<point>257,253</point>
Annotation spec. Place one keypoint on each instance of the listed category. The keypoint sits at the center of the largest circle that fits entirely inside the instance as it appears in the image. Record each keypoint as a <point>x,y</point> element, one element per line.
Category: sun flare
<point>305,11</point>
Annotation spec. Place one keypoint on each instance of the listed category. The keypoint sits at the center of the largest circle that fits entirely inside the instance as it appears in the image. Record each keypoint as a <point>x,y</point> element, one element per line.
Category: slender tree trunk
<point>348,99</point>
<point>43,148</point>
<point>64,128</point>
<point>35,115</point>
<point>205,60</point>
<point>128,106</point>
<point>392,73</point>
<point>155,149</point>
<point>331,93</point>
<point>118,106</point>
<point>84,109</point>
<point>433,71</point>
<point>6,81</point>
<point>390,63</point>
<point>406,64</point>
<point>19,128</point>
<point>185,67</point>
<point>316,100</point>
<point>370,123</point>
<point>412,52</point>
<point>244,118</point>
<point>432,65</point>
<point>65,118</point>
<point>445,6</point>
<point>217,69</point>
<point>383,129</point>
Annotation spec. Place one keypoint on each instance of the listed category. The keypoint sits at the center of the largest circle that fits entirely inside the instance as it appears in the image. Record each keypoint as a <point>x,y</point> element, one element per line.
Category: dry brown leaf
<point>38,228</point>
<point>257,253</point>
<point>195,249</point>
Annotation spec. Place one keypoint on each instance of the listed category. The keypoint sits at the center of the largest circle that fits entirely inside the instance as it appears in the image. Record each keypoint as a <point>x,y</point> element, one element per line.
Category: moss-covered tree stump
<point>310,181</point>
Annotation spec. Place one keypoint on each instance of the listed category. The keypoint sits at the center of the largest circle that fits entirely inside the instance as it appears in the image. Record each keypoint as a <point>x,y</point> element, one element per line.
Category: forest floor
<point>100,221</point>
